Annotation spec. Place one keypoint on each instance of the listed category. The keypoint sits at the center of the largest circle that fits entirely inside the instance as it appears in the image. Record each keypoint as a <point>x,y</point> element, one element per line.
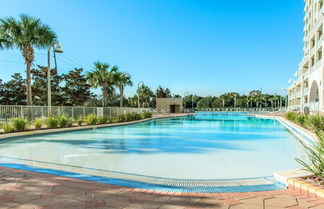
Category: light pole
<point>138,100</point>
<point>56,49</point>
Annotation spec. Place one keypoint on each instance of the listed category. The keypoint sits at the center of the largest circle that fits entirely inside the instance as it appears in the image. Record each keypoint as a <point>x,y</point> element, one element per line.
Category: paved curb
<point>303,187</point>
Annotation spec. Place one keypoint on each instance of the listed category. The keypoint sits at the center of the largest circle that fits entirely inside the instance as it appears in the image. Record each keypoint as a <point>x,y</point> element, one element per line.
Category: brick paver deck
<point>22,189</point>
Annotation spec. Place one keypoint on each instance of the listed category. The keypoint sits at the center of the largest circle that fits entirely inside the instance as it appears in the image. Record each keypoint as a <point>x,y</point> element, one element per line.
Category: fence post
<point>72,112</point>
<point>83,112</point>
<point>21,112</point>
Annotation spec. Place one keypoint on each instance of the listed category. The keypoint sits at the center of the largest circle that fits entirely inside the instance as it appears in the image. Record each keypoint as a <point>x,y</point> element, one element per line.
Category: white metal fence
<point>8,112</point>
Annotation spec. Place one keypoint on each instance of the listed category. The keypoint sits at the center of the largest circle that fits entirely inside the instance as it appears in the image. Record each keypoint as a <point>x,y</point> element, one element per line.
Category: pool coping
<point>238,184</point>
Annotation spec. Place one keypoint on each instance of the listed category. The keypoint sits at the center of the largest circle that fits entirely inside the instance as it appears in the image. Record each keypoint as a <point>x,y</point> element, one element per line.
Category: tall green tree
<point>25,33</point>
<point>39,86</point>
<point>121,80</point>
<point>146,96</point>
<point>102,77</point>
<point>76,90</point>
<point>13,92</point>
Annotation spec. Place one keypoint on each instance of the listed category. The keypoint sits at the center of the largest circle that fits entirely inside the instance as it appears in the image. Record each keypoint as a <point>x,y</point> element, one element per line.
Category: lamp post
<point>138,100</point>
<point>56,49</point>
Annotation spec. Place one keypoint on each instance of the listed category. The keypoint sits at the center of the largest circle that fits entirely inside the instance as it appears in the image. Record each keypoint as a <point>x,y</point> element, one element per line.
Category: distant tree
<point>176,96</point>
<point>146,96</point>
<point>121,80</point>
<point>132,101</point>
<point>25,33</point>
<point>39,86</point>
<point>161,93</point>
<point>167,93</point>
<point>102,77</point>
<point>76,90</point>
<point>13,92</point>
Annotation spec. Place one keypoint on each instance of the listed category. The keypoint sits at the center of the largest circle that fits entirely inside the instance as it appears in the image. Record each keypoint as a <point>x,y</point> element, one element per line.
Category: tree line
<point>234,100</point>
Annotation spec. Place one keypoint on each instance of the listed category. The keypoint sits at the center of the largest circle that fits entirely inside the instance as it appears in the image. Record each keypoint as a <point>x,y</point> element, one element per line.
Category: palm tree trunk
<point>28,85</point>
<point>121,91</point>
<point>105,94</point>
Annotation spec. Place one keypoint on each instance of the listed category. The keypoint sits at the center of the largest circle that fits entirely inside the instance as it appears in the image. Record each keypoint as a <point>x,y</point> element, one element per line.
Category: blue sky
<point>205,47</point>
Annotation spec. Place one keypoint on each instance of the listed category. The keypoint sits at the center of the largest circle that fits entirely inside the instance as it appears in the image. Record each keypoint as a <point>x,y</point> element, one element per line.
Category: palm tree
<point>145,95</point>
<point>103,77</point>
<point>25,34</point>
<point>121,80</point>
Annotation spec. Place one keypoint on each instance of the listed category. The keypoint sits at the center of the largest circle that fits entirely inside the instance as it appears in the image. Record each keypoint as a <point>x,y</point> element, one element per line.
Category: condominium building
<point>306,94</point>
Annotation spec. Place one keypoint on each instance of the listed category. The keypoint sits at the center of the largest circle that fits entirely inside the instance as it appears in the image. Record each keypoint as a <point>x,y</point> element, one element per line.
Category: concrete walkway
<point>22,189</point>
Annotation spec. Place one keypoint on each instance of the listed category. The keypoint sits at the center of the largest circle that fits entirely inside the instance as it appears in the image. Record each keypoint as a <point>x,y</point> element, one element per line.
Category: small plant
<point>64,121</point>
<point>51,122</point>
<point>121,118</point>
<point>316,123</point>
<point>291,116</point>
<point>301,119</point>
<point>104,119</point>
<point>91,119</point>
<point>316,157</point>
<point>8,128</point>
<point>131,116</point>
<point>80,120</point>
<point>146,114</point>
<point>38,122</point>
<point>20,124</point>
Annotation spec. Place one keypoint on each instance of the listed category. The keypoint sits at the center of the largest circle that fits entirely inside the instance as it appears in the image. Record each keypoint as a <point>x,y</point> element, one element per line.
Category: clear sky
<point>204,47</point>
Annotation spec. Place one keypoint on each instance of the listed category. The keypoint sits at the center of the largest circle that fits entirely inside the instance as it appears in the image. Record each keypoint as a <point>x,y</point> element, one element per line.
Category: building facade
<point>305,94</point>
<point>169,105</point>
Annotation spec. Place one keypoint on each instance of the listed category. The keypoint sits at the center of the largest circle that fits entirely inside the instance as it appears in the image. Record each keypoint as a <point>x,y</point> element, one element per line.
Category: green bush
<point>121,118</point>
<point>63,121</point>
<point>104,119</point>
<point>316,157</point>
<point>146,114</point>
<point>291,116</point>
<point>51,122</point>
<point>8,128</point>
<point>316,123</point>
<point>131,116</point>
<point>91,119</point>
<point>38,122</point>
<point>80,120</point>
<point>301,119</point>
<point>20,124</point>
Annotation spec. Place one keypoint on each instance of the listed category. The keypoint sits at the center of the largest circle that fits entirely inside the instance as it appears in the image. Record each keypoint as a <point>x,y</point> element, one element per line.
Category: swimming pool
<point>206,146</point>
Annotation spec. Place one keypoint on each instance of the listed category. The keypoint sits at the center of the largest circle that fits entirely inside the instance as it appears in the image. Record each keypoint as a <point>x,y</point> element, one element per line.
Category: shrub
<point>146,114</point>
<point>291,116</point>
<point>51,122</point>
<point>20,124</point>
<point>91,119</point>
<point>131,116</point>
<point>63,121</point>
<point>316,157</point>
<point>8,128</point>
<point>104,119</point>
<point>121,118</point>
<point>301,119</point>
<point>38,123</point>
<point>316,123</point>
<point>80,120</point>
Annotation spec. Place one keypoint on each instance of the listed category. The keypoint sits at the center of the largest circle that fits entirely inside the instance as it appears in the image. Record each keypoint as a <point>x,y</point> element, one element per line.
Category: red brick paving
<point>23,189</point>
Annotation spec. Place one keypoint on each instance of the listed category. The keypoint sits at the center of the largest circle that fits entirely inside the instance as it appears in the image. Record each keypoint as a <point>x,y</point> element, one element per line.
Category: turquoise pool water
<point>204,146</point>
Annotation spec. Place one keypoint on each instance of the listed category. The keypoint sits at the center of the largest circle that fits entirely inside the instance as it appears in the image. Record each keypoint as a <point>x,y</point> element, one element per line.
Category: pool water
<point>204,146</point>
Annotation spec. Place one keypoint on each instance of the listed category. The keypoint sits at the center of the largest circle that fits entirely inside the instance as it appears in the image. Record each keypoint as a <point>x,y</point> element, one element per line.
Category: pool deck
<point>24,189</point>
